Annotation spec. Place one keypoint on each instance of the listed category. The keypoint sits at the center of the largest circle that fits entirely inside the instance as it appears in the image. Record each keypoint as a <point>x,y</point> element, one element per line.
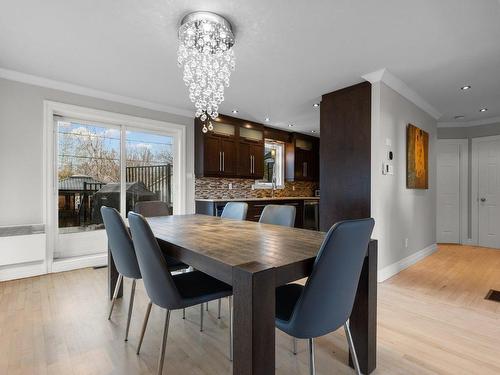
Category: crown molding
<point>383,75</point>
<point>467,124</point>
<point>30,79</point>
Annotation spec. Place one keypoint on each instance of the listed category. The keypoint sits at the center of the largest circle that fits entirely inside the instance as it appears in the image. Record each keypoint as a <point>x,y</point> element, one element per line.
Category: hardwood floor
<point>433,319</point>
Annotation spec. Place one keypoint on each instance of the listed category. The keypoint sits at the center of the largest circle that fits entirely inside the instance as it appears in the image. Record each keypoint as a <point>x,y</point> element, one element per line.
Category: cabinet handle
<point>250,163</point>
<point>253,164</point>
<point>220,161</point>
<point>304,169</point>
<point>223,166</point>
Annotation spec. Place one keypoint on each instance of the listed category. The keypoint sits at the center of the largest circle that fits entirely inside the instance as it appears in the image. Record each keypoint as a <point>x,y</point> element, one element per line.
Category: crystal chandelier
<point>206,55</point>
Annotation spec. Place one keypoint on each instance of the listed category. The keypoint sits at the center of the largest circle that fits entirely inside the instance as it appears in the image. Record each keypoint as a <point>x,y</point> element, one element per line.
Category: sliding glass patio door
<point>100,164</point>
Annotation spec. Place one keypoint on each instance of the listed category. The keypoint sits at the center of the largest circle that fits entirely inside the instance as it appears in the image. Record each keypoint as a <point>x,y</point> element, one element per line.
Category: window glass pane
<point>88,174</point>
<point>274,163</point>
<point>149,168</point>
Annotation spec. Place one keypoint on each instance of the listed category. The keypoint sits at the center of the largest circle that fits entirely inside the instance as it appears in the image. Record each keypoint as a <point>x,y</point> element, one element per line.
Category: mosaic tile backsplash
<point>218,188</point>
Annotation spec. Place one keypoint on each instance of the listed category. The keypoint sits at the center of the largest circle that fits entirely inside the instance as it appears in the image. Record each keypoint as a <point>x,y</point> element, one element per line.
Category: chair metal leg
<point>201,317</point>
<point>230,299</point>
<point>163,343</point>
<point>144,325</point>
<point>312,368</point>
<point>206,306</point>
<point>218,314</point>
<point>351,347</point>
<point>130,307</point>
<point>294,342</point>
<point>183,313</point>
<point>115,294</point>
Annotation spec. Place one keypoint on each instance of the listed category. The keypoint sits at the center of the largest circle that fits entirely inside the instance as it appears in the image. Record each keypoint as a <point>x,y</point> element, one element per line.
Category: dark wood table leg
<point>113,277</point>
<point>363,320</point>
<point>254,287</point>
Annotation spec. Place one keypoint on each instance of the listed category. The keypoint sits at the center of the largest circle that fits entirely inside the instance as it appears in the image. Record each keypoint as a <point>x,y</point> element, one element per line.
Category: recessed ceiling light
<point>234,111</point>
<point>290,125</point>
<point>267,119</point>
<point>316,105</point>
<point>459,117</point>
<point>483,109</point>
<point>465,87</point>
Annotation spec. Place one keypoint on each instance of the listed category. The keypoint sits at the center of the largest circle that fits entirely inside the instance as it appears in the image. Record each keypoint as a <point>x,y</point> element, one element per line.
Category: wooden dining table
<point>254,259</point>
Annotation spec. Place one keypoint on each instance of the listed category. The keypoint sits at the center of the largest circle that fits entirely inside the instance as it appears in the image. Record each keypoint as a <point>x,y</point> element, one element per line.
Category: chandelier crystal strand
<point>207,57</point>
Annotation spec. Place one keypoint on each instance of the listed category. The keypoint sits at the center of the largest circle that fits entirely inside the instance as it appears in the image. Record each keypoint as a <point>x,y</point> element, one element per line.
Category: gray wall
<point>21,149</point>
<point>399,212</point>
<point>469,133</point>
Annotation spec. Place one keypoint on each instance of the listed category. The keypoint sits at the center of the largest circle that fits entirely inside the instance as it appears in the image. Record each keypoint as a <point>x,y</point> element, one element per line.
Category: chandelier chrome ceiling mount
<point>206,55</point>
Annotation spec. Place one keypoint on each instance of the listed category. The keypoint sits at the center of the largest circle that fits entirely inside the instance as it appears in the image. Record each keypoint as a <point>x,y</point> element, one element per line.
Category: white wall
<point>21,149</point>
<point>399,212</point>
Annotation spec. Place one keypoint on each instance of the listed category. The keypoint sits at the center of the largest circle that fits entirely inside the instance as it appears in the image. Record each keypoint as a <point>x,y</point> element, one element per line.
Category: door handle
<point>483,199</point>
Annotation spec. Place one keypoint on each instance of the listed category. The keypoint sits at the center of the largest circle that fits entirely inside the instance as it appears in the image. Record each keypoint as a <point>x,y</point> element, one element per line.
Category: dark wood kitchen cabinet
<point>251,160</point>
<point>216,152</point>
<point>235,148</point>
<point>302,158</point>
<point>219,156</point>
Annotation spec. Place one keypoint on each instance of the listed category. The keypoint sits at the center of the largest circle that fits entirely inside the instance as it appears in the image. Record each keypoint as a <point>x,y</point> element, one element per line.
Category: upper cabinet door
<point>229,156</point>
<point>257,152</point>
<point>212,156</point>
<point>245,160</point>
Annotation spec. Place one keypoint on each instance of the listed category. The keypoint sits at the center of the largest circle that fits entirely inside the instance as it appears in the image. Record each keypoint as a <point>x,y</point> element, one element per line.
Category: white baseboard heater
<point>22,244</point>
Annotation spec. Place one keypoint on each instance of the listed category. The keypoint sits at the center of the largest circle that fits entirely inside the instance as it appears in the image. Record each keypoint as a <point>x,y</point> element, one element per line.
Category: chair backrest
<point>328,296</point>
<point>120,243</point>
<point>158,281</point>
<point>278,214</point>
<point>152,208</point>
<point>235,210</point>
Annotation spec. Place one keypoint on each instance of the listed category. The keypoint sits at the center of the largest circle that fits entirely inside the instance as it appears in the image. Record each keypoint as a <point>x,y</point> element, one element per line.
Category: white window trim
<point>260,184</point>
<point>123,122</point>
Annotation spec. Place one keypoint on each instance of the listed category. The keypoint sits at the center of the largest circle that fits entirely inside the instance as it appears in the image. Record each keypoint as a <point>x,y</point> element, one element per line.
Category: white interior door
<point>488,193</point>
<point>448,192</point>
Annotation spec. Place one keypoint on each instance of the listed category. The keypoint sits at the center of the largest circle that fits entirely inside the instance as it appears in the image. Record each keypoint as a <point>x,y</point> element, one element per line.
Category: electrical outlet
<point>406,243</point>
<point>293,187</point>
<point>230,186</point>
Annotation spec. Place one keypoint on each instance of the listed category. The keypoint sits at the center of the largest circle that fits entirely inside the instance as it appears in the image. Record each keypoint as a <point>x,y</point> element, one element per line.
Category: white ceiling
<point>288,52</point>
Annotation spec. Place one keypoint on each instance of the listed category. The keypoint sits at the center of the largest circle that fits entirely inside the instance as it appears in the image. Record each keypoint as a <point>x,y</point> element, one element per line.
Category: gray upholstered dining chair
<point>152,208</point>
<point>122,249</point>
<point>235,210</point>
<point>325,302</point>
<point>278,214</point>
<point>168,291</point>
<point>156,209</point>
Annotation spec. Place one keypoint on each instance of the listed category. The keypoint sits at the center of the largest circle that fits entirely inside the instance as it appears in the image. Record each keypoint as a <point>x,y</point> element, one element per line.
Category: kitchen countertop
<point>255,199</point>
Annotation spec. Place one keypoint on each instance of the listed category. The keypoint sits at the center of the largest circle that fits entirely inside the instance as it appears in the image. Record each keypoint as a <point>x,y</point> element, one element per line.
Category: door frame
<point>475,185</point>
<point>463,188</point>
<point>123,122</point>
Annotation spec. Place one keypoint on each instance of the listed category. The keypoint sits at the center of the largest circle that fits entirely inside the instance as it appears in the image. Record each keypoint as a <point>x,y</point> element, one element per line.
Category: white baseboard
<point>393,269</point>
<point>70,264</point>
<point>469,241</point>
<point>21,271</point>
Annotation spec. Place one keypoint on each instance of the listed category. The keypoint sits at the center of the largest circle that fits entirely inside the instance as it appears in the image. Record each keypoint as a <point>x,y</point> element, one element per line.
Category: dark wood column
<point>254,287</point>
<point>345,183</point>
<point>345,154</point>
